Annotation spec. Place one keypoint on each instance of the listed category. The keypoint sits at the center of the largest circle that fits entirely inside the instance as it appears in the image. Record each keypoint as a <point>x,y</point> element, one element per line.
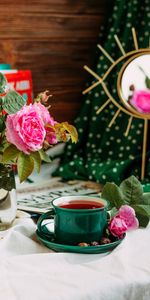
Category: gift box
<point>21,81</point>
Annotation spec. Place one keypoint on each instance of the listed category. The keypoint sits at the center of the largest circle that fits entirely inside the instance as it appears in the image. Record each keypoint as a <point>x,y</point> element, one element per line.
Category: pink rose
<point>48,120</point>
<point>141,101</point>
<point>43,113</point>
<point>117,226</point>
<point>125,220</point>
<point>25,129</point>
<point>127,213</point>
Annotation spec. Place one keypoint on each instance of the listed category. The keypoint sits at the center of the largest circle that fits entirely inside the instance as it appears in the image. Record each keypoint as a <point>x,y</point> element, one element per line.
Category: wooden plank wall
<point>54,39</point>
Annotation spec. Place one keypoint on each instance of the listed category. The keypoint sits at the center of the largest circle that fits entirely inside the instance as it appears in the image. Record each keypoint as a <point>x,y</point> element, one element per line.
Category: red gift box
<point>21,81</point>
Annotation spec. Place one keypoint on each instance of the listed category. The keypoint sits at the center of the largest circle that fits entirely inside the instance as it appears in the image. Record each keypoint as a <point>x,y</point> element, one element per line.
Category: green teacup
<point>77,219</point>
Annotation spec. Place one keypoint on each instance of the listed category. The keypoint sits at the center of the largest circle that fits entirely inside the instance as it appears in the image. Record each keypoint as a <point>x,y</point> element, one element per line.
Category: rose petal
<point>127,213</point>
<point>117,226</point>
<point>141,101</point>
<point>126,210</point>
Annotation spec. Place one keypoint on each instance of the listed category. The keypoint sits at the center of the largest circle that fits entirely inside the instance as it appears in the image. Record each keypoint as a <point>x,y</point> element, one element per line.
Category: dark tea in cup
<point>81,204</point>
<point>77,219</point>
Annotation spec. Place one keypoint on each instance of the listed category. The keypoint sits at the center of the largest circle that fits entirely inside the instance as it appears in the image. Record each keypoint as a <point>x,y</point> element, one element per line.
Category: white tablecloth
<point>31,271</point>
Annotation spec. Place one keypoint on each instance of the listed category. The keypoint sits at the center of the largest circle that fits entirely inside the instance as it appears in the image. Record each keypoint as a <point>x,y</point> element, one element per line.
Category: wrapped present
<point>20,80</point>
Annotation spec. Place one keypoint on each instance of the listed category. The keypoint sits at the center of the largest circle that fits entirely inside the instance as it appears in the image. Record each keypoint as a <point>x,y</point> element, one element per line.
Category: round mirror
<point>134,84</point>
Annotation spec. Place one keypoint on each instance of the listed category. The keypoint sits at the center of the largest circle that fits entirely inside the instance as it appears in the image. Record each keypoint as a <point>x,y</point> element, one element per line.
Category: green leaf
<point>71,130</point>
<point>10,153</point>
<point>143,214</point>
<point>25,166</point>
<point>146,198</point>
<point>147,79</point>
<point>132,190</point>
<point>3,83</point>
<point>113,212</point>
<point>2,123</point>
<point>147,82</point>
<point>112,193</point>
<point>44,156</point>
<point>37,160</point>
<point>12,102</point>
<point>144,207</point>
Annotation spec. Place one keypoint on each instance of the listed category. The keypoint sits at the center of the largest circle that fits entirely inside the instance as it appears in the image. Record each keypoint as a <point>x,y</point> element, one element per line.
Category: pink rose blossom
<point>25,129</point>
<point>125,220</point>
<point>127,213</point>
<point>43,113</point>
<point>141,101</point>
<point>117,226</point>
<point>48,120</point>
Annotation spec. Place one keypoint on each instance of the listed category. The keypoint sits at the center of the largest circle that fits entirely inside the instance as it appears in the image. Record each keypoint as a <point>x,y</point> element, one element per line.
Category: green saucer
<point>48,240</point>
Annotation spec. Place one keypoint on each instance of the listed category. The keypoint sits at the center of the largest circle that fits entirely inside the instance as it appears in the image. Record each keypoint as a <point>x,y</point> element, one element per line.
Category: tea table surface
<point>29,270</point>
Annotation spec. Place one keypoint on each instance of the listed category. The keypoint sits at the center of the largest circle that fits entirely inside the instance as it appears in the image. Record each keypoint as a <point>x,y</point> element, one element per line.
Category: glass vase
<point>8,200</point>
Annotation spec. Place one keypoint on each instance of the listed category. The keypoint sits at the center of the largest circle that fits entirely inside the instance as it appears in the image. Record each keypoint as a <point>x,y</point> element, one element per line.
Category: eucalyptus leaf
<point>3,83</point>
<point>37,160</point>
<point>113,194</point>
<point>44,156</point>
<point>132,190</point>
<point>25,166</point>
<point>12,102</point>
<point>143,214</point>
